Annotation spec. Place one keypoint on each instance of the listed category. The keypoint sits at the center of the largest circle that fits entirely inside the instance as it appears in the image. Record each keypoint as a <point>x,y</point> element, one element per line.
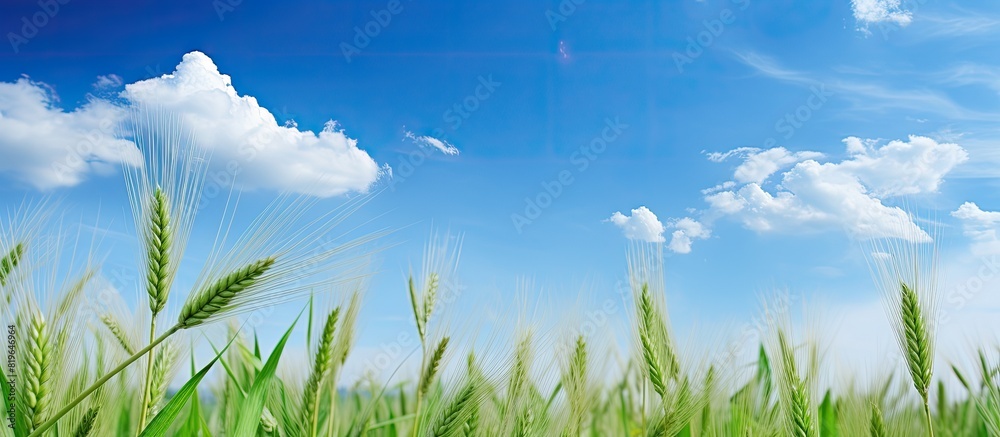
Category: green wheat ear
<point>433,366</point>
<point>454,420</point>
<point>797,402</point>
<point>117,332</point>
<point>9,262</point>
<point>158,245</point>
<point>38,372</point>
<point>877,422</point>
<point>210,301</point>
<point>86,423</point>
<point>321,369</point>
<point>918,348</point>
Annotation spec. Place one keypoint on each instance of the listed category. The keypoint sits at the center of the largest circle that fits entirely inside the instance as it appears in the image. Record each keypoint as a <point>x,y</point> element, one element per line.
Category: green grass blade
<point>252,408</point>
<point>161,424</point>
<point>192,425</point>
<point>827,417</point>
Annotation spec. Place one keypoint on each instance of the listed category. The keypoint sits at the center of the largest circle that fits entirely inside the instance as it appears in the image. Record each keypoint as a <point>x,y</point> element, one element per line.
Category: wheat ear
<point>86,423</point>
<point>876,425</point>
<point>321,368</point>
<point>455,416</point>
<point>918,349</point>
<point>117,332</point>
<point>210,301</point>
<point>796,397</point>
<point>432,367</point>
<point>38,372</point>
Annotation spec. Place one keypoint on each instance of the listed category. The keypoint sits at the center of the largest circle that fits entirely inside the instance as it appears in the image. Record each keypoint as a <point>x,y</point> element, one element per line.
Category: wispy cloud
<point>429,141</point>
<point>960,24</point>
<point>867,94</point>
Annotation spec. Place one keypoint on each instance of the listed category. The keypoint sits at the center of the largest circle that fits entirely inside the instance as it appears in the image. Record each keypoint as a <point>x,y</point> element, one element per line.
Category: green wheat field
<point>87,366</point>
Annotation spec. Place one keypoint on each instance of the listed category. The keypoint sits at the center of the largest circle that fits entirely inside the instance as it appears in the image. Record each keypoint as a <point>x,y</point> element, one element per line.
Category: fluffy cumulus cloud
<point>813,196</point>
<point>980,226</point>
<point>241,133</point>
<point>641,225</point>
<point>868,12</point>
<point>758,165</point>
<point>46,147</point>
<point>686,231</point>
<point>428,141</point>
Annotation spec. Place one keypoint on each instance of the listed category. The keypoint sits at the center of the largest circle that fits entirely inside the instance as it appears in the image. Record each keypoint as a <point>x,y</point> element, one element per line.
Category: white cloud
<point>980,226</point>
<point>759,165</point>
<point>46,147</point>
<point>108,81</point>
<point>642,225</point>
<point>901,168</point>
<point>428,141</point>
<point>687,230</point>
<point>847,195</point>
<point>868,12</point>
<point>236,129</point>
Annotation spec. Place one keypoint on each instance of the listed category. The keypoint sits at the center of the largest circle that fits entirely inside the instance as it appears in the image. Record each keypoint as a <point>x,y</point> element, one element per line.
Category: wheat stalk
<point>905,272</point>
<point>321,368</point>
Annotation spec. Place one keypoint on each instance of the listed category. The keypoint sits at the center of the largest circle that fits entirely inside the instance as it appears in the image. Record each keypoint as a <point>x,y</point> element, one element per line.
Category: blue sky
<point>760,142</point>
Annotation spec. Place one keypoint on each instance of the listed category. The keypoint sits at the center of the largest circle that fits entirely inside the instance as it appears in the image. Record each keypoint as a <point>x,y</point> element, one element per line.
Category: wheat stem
<point>144,409</point>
